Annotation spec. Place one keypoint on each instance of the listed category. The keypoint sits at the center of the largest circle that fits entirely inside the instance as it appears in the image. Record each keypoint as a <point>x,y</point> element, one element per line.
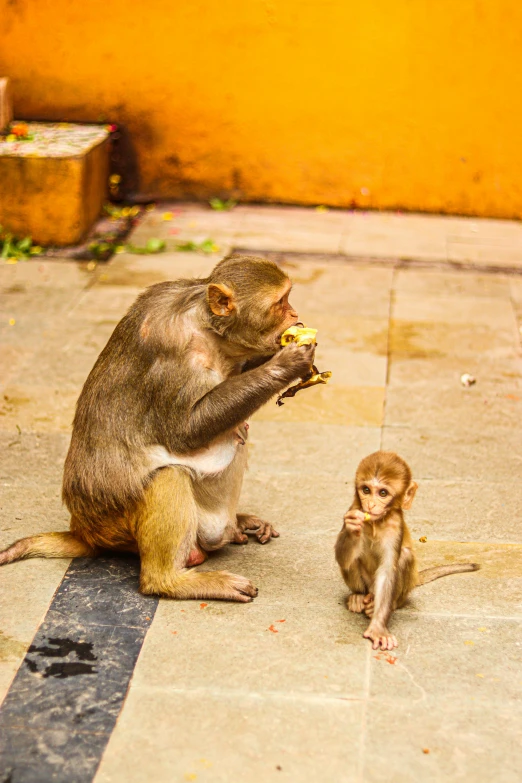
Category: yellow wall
<point>413,104</point>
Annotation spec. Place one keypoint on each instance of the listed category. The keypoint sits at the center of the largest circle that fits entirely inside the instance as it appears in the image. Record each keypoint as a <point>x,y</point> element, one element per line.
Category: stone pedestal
<point>53,185</point>
<point>6,104</point>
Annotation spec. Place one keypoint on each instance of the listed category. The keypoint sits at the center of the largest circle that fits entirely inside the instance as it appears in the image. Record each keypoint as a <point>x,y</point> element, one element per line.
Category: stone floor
<point>286,688</point>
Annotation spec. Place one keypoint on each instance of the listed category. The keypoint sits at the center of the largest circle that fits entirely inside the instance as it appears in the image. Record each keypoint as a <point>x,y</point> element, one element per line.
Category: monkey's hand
<point>380,637</point>
<point>295,360</point>
<point>354,522</point>
<point>261,529</point>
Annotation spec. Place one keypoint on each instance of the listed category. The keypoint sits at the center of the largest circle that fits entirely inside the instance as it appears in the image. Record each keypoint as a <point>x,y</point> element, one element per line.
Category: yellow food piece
<point>301,335</point>
<point>423,539</point>
<point>367,517</point>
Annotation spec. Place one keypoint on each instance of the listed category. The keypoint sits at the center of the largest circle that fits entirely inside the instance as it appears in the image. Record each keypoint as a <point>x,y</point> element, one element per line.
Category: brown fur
<point>376,556</point>
<point>157,452</point>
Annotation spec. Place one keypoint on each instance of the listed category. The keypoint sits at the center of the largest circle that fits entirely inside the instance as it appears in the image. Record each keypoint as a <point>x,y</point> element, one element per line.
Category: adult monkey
<point>157,455</point>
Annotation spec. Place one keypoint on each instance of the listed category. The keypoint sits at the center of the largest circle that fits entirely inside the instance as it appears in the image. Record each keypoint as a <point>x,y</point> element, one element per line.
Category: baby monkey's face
<point>376,497</point>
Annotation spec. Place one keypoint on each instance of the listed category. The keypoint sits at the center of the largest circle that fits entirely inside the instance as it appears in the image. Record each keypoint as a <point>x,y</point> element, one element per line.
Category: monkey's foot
<point>380,637</point>
<point>369,604</point>
<point>219,585</point>
<point>261,529</point>
<point>196,557</point>
<point>355,602</point>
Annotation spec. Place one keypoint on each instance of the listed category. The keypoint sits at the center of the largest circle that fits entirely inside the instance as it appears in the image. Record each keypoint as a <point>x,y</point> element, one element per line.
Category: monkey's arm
<point>240,396</point>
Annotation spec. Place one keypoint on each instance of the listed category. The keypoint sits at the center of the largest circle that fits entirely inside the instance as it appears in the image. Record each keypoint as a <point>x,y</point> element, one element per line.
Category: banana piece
<point>301,335</point>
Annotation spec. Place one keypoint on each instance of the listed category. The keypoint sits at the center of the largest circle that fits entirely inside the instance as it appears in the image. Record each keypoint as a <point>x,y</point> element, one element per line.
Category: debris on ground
<point>467,380</point>
<point>13,249</point>
<point>222,206</point>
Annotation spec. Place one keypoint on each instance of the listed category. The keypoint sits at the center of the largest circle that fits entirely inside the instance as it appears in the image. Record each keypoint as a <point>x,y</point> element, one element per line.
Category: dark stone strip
<point>64,701</point>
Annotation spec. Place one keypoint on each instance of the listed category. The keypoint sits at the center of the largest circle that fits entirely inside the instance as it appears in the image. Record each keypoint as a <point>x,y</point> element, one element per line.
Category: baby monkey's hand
<point>354,521</point>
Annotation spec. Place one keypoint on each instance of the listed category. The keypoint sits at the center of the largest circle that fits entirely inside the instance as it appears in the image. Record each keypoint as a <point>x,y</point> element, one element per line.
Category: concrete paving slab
<point>289,449</point>
<point>253,649</point>
<point>448,409</point>
<point>493,591</point>
<point>32,458</point>
<point>434,283</point>
<point>288,505</point>
<point>440,740</point>
<point>37,408</point>
<point>468,510</point>
<point>222,739</point>
<point>331,404</point>
<point>436,339</point>
<point>138,272</point>
<point>450,455</point>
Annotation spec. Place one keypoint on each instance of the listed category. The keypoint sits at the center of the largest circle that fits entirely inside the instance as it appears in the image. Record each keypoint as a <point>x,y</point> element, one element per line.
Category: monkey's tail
<point>47,545</point>
<point>429,574</point>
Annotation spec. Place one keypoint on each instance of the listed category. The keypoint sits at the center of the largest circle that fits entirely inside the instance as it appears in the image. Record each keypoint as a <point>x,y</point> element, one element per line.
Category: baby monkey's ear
<point>409,495</point>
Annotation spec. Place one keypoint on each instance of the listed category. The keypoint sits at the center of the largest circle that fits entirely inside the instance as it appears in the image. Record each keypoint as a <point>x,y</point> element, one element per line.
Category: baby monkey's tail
<point>47,545</point>
<point>429,574</point>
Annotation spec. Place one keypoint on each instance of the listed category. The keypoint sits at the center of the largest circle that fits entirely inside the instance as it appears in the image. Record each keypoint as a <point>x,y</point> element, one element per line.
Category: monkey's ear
<point>409,495</point>
<point>220,299</point>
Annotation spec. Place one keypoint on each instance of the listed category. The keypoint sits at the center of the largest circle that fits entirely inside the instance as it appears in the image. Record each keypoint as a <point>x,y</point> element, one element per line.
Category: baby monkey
<point>374,547</point>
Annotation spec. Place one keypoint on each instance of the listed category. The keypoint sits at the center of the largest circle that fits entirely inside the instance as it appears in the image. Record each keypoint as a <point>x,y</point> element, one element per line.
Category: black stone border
<point>62,707</point>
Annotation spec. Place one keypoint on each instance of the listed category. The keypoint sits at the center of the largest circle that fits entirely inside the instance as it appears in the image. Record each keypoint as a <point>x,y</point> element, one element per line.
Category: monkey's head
<point>383,481</point>
<point>247,299</point>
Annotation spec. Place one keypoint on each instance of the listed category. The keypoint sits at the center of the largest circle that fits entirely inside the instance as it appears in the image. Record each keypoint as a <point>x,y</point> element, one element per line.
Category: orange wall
<point>413,104</point>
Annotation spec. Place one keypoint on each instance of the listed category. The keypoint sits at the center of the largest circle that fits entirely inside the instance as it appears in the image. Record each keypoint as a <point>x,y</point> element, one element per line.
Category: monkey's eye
<point>383,493</point>
<point>366,490</point>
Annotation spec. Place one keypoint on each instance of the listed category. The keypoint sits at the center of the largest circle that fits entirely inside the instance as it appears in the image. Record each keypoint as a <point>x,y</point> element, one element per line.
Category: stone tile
<point>30,509</point>
<point>434,405</point>
<point>500,375</point>
<point>466,511</point>
<point>465,740</point>
<point>339,289</point>
<point>296,570</point>
<point>494,312</point>
<point>104,304</point>
<point>50,754</point>
<point>284,448</point>
<point>330,404</point>
<point>12,358</point>
<point>64,359</point>
<point>36,313</point>
<point>138,272</point>
<point>8,670</point>
<point>502,232</point>
<point>165,735</point>
<point>493,254</point>
<point>37,408</point>
<point>431,339</point>
<point>32,458</point>
<point>43,273</point>
<point>493,591</point>
<point>453,650</point>
<point>451,456</point>
<point>288,239</point>
<point>104,592</point>
<point>292,505</point>
<point>313,652</point>
<point>27,588</point>
<point>434,283</point>
<point>392,236</point>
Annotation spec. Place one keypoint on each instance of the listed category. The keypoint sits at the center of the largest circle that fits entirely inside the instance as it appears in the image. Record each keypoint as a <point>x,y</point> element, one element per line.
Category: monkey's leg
<point>384,592</point>
<point>166,528</point>
<point>356,581</point>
